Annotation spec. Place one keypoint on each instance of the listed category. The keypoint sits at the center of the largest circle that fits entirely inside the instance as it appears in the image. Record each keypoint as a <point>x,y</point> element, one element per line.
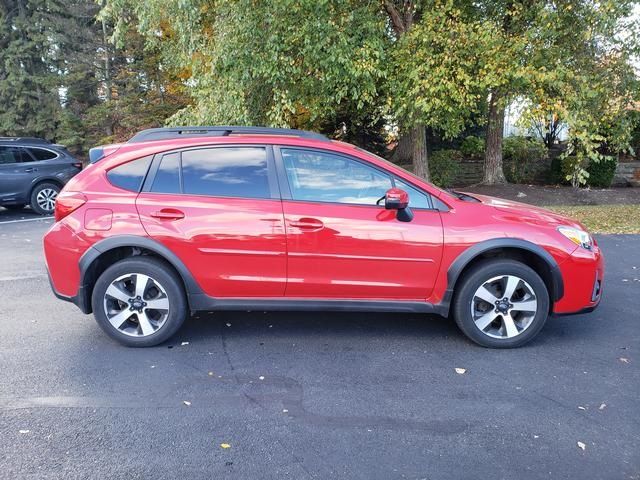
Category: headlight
<point>577,236</point>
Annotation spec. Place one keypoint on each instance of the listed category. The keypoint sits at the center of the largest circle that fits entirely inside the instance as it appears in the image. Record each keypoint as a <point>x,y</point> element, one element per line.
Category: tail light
<point>68,202</point>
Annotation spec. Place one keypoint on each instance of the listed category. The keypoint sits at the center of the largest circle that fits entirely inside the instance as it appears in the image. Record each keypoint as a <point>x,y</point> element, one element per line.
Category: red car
<point>178,220</point>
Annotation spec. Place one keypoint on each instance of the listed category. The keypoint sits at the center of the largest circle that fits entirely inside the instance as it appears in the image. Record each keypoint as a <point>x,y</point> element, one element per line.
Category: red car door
<point>218,209</point>
<point>341,244</point>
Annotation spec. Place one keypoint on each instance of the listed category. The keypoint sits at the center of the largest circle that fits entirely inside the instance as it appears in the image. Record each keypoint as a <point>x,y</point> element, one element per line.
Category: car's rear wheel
<point>139,301</point>
<point>501,304</point>
<point>43,198</point>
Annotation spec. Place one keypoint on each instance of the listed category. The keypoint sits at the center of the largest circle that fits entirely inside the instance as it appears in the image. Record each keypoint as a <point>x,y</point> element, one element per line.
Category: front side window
<point>130,175</point>
<point>417,199</point>
<point>226,172</point>
<point>325,177</point>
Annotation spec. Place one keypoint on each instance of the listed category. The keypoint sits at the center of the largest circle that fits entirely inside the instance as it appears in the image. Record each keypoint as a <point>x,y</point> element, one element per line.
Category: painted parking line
<point>43,219</point>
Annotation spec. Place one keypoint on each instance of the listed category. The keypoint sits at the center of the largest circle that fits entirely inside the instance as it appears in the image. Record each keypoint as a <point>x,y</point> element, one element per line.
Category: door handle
<point>29,170</point>
<point>307,224</point>
<point>168,214</point>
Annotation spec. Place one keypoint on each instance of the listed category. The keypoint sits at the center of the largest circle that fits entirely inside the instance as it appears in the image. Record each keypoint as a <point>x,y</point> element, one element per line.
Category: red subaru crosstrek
<point>178,220</point>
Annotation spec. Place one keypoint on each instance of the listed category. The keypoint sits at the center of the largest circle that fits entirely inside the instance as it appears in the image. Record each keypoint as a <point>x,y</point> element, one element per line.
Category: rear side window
<point>10,155</point>
<point>130,175</point>
<point>42,154</point>
<point>167,178</point>
<point>226,172</point>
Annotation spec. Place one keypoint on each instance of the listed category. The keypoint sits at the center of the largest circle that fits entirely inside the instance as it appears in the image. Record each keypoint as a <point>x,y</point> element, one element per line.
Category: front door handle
<point>29,170</point>
<point>309,224</point>
<point>168,214</point>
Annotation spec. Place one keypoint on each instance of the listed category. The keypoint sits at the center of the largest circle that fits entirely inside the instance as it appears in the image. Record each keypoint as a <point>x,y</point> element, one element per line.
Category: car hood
<point>522,212</point>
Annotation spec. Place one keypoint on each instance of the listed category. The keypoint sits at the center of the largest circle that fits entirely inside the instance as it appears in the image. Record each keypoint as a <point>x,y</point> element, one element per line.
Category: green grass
<point>604,218</point>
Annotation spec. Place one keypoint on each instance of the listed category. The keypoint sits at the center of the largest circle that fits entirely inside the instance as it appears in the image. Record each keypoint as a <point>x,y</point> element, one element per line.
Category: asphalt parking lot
<point>313,395</point>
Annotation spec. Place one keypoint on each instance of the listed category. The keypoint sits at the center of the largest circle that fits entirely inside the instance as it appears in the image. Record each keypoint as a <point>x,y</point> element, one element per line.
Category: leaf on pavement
<point>624,359</point>
<point>460,371</point>
<point>23,431</point>
<point>187,403</point>
<point>580,407</point>
<point>184,343</point>
<point>602,406</point>
<point>582,446</point>
<point>225,445</point>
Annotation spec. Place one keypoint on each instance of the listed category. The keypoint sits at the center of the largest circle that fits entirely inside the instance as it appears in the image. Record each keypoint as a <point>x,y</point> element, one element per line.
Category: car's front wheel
<point>139,301</point>
<point>501,304</point>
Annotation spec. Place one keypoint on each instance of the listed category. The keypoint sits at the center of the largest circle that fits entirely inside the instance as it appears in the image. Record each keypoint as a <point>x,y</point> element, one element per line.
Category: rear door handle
<point>168,214</point>
<point>309,224</point>
<point>29,170</point>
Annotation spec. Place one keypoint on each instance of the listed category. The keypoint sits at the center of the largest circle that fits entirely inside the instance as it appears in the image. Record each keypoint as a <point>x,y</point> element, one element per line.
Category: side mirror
<point>398,199</point>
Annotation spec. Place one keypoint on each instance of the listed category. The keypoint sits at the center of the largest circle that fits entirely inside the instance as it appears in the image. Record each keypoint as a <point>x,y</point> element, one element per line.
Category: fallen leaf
<point>261,377</point>
<point>24,431</point>
<point>536,436</point>
<point>225,445</point>
<point>228,324</point>
<point>211,374</point>
<point>582,446</point>
<point>602,406</point>
<point>624,359</point>
<point>186,403</point>
<point>184,343</point>
<point>460,371</point>
<point>284,410</point>
<point>582,408</point>
<point>153,366</point>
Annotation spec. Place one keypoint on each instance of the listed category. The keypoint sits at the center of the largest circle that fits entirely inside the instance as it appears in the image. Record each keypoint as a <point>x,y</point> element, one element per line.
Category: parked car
<point>238,218</point>
<point>32,172</point>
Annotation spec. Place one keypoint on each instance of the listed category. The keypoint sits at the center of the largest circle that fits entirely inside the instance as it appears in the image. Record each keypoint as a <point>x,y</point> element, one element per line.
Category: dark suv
<point>33,171</point>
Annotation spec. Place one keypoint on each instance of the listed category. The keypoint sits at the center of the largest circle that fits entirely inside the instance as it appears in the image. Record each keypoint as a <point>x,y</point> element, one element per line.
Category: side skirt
<point>204,302</point>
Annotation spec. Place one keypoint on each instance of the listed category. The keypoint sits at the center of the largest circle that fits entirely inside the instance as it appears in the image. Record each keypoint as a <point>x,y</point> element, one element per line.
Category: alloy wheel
<point>136,304</point>
<point>46,199</point>
<point>504,306</point>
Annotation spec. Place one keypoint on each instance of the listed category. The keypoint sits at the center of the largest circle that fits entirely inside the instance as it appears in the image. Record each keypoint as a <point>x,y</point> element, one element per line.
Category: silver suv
<point>32,172</point>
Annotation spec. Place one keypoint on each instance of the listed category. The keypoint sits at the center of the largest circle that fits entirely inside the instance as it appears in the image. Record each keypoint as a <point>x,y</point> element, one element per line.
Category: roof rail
<point>218,131</point>
<point>25,140</point>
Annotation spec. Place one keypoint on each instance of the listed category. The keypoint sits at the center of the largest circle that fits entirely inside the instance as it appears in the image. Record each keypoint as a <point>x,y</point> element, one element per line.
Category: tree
<point>28,80</point>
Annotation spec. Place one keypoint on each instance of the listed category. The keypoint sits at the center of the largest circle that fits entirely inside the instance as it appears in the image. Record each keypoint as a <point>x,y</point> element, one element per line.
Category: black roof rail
<point>167,133</point>
<point>25,140</point>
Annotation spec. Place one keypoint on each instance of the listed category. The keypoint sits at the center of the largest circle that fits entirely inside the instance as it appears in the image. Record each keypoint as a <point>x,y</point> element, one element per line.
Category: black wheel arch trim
<point>478,249</point>
<point>83,299</point>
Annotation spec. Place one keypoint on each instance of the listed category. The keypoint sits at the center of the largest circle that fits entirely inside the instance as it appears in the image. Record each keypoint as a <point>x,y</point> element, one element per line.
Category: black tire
<point>14,207</point>
<point>40,188</point>
<point>467,287</point>
<point>159,272</point>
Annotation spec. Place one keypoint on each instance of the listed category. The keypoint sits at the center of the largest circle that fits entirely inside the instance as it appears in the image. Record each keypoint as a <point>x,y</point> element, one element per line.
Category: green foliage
<point>472,146</point>
<point>443,165</point>
<point>522,156</point>
<point>601,172</point>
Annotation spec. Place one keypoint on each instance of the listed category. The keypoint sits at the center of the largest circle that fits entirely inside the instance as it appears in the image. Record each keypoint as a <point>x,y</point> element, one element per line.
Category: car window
<point>226,172</point>
<point>167,178</point>
<point>10,155</point>
<point>325,177</point>
<point>42,154</point>
<point>130,175</point>
<point>417,199</point>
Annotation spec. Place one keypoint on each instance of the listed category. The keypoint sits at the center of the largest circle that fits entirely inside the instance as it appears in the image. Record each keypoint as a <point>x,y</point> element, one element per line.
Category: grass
<point>604,218</point>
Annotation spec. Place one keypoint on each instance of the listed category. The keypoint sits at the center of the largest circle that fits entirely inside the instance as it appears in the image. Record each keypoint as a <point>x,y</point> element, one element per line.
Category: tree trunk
<point>493,173</point>
<point>419,156</point>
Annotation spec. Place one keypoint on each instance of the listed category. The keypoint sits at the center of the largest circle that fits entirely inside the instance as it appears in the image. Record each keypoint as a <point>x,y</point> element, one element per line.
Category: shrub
<point>443,166</point>
<point>601,172</point>
<point>472,146</point>
<point>522,158</point>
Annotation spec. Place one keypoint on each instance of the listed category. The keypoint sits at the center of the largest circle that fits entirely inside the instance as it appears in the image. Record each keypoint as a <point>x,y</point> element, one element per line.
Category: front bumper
<point>583,275</point>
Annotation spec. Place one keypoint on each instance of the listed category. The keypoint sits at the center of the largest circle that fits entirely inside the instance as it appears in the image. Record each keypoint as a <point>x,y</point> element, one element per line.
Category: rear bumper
<point>77,300</point>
